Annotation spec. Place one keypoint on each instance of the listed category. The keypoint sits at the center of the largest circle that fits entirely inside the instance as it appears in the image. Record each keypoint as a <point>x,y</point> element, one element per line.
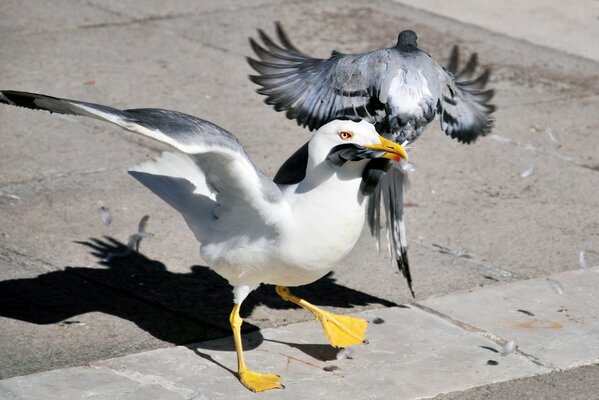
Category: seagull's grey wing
<point>463,107</point>
<point>228,170</point>
<point>315,91</point>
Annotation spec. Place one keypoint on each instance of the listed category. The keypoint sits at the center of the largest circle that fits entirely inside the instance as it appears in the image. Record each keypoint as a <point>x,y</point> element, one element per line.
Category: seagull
<point>399,89</point>
<point>252,230</point>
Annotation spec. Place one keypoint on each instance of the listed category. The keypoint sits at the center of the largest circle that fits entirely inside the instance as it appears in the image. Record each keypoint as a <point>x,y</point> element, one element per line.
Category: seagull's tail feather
<point>179,182</point>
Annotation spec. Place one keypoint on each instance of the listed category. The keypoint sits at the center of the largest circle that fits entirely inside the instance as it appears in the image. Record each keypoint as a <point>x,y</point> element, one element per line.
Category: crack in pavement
<point>147,19</point>
<point>458,254</point>
<point>488,335</point>
<point>150,379</point>
<point>5,187</point>
<point>505,140</point>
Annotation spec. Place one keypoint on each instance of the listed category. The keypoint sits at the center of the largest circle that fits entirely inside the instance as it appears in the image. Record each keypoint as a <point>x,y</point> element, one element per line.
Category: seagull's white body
<point>294,241</point>
<point>318,227</point>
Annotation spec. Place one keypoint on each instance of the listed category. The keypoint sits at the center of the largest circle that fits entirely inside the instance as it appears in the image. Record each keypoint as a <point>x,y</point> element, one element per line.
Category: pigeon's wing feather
<point>315,91</point>
<point>464,105</point>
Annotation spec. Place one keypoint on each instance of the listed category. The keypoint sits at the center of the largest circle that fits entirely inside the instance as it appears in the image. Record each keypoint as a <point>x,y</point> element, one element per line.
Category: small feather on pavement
<point>582,259</point>
<point>556,285</point>
<point>529,171</point>
<point>135,239</point>
<point>553,137</point>
<point>105,215</point>
<point>345,353</point>
<point>508,348</point>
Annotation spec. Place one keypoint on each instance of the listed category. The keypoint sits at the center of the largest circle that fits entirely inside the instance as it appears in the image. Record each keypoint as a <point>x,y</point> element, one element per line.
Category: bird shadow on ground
<point>178,308</point>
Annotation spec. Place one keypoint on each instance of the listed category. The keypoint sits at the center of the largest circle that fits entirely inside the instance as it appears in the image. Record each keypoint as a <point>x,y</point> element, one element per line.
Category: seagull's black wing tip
<point>19,99</point>
<point>26,100</point>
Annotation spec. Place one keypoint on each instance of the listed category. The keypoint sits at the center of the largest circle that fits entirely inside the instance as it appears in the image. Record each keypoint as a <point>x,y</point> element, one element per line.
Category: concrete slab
<point>393,360</point>
<point>563,330</point>
<point>573,384</point>
<point>546,23</point>
<point>82,382</point>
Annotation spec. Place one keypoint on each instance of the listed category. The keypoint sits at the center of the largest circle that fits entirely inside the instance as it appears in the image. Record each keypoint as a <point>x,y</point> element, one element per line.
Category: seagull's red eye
<point>346,135</point>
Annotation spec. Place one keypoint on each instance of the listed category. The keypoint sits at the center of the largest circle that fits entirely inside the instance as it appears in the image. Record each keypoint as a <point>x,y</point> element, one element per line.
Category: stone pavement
<point>419,350</point>
<point>473,220</point>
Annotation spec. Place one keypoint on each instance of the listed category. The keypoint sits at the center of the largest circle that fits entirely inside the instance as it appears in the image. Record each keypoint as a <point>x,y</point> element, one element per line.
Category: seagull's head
<point>342,141</point>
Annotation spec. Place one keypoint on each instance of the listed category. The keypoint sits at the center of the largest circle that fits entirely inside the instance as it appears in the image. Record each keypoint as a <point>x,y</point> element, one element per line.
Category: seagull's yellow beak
<point>392,151</point>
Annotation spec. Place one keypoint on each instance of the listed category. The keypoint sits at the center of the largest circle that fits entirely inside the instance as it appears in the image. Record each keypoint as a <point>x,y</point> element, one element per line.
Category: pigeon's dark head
<point>407,40</point>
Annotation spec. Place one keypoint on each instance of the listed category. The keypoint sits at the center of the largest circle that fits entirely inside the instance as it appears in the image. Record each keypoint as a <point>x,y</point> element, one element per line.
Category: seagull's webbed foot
<point>255,381</point>
<point>341,330</point>
<point>259,382</point>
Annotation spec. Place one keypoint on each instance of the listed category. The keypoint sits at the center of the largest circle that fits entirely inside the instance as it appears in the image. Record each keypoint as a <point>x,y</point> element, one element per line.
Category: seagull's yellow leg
<point>255,381</point>
<point>341,330</point>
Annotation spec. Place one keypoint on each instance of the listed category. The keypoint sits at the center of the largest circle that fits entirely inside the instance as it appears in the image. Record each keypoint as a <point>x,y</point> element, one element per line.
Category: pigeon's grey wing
<point>464,105</point>
<point>315,91</point>
<point>227,168</point>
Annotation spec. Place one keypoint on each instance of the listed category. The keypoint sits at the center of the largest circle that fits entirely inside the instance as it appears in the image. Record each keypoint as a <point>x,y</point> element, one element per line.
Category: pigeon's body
<point>400,88</point>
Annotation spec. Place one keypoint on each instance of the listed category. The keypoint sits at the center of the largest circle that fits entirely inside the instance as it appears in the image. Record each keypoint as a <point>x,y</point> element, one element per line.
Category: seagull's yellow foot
<point>255,381</point>
<point>341,330</point>
<point>258,382</point>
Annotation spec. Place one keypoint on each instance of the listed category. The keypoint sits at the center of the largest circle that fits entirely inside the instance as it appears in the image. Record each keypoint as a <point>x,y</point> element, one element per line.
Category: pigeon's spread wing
<point>464,108</point>
<point>315,91</point>
<point>229,174</point>
<point>377,86</point>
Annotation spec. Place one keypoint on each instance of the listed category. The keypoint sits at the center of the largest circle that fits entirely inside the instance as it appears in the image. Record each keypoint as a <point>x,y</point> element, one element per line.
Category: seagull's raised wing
<point>231,179</point>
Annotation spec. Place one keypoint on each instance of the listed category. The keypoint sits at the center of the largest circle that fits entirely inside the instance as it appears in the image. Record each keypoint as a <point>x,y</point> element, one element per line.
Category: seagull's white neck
<point>327,200</point>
